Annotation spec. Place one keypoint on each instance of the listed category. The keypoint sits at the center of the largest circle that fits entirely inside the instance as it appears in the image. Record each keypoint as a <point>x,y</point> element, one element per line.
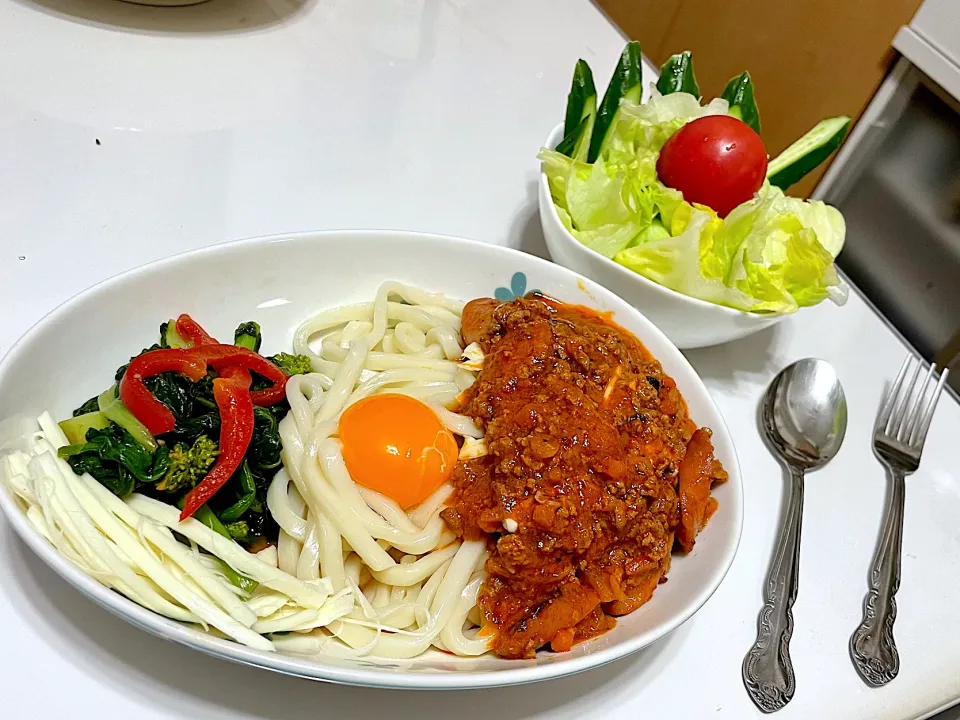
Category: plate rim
<point>302,666</point>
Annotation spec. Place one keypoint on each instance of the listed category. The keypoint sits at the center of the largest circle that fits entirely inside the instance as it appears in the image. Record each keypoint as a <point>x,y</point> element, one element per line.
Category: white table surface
<point>247,117</point>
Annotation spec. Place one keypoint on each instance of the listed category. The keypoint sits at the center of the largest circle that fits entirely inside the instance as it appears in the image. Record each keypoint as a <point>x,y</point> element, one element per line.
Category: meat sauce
<point>592,454</point>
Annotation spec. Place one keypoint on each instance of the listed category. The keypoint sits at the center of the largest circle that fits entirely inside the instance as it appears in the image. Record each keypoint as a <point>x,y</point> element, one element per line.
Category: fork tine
<point>919,435</point>
<point>901,398</point>
<point>902,406</point>
<point>887,408</point>
<point>905,431</point>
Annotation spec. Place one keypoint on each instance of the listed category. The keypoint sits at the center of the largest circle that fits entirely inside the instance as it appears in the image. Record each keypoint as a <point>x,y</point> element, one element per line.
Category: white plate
<point>278,281</point>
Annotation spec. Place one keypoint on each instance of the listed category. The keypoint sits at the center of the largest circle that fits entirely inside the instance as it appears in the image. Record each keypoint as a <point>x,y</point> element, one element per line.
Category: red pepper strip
<point>140,401</point>
<point>232,392</point>
<point>192,362</point>
<point>190,330</point>
<point>223,356</point>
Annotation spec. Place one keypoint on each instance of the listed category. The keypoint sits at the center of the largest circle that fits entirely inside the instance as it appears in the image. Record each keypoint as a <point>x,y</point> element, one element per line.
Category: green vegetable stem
<point>208,518</point>
<point>248,336</point>
<point>115,411</point>
<point>75,428</point>
<point>247,492</point>
<point>169,337</point>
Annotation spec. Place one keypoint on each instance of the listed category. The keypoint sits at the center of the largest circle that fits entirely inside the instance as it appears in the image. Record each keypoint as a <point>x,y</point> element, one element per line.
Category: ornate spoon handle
<point>872,647</point>
<point>767,669</point>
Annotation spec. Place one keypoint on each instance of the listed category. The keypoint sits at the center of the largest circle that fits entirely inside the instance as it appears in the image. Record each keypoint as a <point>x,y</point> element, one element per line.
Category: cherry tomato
<point>717,161</point>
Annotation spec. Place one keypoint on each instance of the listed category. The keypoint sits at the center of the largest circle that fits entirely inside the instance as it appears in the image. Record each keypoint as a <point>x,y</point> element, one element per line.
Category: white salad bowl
<point>278,282</point>
<point>687,321</point>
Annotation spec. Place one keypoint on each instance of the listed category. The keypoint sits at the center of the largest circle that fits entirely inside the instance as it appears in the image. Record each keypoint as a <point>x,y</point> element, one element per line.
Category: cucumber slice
<point>582,148</point>
<point>806,153</point>
<point>577,143</point>
<point>581,114</point>
<point>625,83</point>
<point>582,97</point>
<point>676,75</point>
<point>75,428</point>
<point>743,104</point>
<point>569,142</point>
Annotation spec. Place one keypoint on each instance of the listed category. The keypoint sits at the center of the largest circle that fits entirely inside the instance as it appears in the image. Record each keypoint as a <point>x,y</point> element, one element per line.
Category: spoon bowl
<point>805,413</point>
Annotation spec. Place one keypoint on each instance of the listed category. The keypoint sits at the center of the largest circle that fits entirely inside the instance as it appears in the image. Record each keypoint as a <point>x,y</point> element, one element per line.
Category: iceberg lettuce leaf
<point>772,254</point>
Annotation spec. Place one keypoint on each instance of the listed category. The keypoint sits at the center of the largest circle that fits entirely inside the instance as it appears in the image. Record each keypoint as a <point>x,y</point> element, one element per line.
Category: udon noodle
<point>415,583</point>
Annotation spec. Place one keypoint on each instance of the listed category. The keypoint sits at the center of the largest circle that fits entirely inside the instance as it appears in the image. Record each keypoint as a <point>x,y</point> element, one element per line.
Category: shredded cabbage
<point>129,546</point>
<point>773,254</point>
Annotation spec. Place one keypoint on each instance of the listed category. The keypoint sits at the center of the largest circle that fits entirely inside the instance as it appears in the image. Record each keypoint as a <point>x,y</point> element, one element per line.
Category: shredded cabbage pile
<point>773,254</point>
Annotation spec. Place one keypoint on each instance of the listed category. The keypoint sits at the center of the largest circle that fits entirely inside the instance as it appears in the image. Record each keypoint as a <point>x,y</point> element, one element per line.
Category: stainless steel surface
<point>899,191</point>
<point>804,418</point>
<point>898,437</point>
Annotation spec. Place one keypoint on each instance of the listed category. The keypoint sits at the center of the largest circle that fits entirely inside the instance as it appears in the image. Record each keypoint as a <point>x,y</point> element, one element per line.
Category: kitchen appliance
<point>897,182</point>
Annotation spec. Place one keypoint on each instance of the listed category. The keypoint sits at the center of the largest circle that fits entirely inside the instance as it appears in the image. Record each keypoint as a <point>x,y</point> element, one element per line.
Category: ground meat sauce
<point>591,454</point>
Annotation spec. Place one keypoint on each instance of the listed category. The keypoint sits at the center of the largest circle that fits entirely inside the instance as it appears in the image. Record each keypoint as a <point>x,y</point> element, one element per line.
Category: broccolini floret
<point>292,364</point>
<point>189,465</point>
<point>239,530</point>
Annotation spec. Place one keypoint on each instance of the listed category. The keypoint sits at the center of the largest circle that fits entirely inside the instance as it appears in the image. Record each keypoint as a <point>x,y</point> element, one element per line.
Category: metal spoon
<point>804,418</point>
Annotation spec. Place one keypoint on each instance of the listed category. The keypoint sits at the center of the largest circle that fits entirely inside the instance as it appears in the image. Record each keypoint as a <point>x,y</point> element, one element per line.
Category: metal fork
<point>898,437</point>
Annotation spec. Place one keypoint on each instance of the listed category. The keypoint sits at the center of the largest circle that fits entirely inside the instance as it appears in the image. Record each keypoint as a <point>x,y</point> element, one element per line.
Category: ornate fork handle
<point>767,668</point>
<point>872,647</point>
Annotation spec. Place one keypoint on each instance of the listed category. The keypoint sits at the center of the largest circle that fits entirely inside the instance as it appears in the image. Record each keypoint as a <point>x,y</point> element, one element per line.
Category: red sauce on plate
<point>594,458</point>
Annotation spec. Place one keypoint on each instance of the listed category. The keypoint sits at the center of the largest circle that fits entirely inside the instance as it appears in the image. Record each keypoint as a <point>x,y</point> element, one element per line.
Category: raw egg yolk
<point>396,445</point>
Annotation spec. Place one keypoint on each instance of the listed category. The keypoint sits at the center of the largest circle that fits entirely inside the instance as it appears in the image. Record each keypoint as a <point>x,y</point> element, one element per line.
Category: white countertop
<point>247,117</point>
